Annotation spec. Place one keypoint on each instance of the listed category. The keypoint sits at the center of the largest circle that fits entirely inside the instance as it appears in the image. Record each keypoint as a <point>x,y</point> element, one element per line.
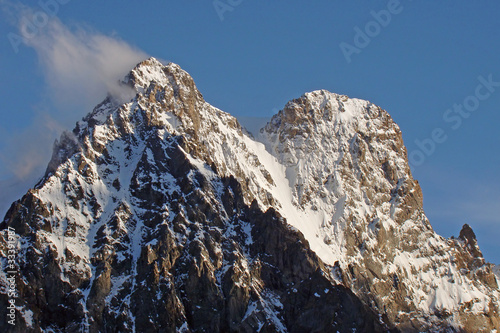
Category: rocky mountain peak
<point>64,148</point>
<point>468,236</point>
<point>310,108</point>
<point>496,271</point>
<point>162,214</point>
<point>153,71</point>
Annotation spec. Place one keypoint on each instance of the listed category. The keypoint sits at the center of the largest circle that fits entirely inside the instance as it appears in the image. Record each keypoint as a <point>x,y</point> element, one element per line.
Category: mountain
<point>165,214</point>
<point>496,271</point>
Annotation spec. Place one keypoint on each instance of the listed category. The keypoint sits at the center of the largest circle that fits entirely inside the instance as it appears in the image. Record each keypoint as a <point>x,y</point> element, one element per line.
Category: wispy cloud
<point>80,66</point>
<point>28,150</point>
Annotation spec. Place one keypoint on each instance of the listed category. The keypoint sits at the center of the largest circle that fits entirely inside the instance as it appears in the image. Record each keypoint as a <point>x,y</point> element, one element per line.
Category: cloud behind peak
<point>80,67</point>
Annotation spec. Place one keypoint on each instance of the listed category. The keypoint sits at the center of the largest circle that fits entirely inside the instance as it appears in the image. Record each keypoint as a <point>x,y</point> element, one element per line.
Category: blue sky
<point>417,63</point>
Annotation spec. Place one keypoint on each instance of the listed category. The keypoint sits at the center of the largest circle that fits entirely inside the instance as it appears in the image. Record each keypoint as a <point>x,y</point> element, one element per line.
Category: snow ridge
<point>334,167</point>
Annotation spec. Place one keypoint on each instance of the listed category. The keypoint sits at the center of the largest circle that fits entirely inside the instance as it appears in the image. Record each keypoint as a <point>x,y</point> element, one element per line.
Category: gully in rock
<point>162,214</point>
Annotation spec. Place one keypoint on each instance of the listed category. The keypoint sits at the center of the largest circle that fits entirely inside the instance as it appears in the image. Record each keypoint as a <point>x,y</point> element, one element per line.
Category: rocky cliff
<point>164,214</point>
<point>496,271</point>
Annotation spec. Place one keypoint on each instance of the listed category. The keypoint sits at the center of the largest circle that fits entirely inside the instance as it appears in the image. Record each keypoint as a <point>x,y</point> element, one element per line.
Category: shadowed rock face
<point>161,214</point>
<point>245,271</point>
<point>347,159</point>
<point>468,236</point>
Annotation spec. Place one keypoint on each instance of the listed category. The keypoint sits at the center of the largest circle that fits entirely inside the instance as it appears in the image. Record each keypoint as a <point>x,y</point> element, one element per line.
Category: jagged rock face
<point>345,158</point>
<point>496,271</point>
<point>137,226</point>
<point>163,214</point>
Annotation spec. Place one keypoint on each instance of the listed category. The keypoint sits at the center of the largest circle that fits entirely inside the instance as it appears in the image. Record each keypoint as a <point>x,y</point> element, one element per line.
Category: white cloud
<point>80,66</point>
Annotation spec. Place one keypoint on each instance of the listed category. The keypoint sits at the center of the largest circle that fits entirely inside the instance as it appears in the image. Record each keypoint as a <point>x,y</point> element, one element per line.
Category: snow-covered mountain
<point>164,214</point>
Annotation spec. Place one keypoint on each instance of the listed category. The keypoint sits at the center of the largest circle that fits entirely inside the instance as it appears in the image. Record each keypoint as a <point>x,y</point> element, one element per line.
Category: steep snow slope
<point>359,205</point>
<point>146,220</point>
<point>164,197</point>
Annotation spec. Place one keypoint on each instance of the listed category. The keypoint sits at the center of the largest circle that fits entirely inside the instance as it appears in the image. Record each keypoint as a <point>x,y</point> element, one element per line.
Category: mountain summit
<point>164,214</point>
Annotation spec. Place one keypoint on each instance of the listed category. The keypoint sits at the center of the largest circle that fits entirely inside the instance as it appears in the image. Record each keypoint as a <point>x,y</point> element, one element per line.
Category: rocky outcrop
<point>346,158</point>
<point>496,272</point>
<point>193,272</point>
<point>162,214</point>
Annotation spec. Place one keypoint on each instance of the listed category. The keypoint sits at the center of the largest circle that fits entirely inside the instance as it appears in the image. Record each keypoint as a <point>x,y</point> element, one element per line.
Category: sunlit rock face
<point>164,214</point>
